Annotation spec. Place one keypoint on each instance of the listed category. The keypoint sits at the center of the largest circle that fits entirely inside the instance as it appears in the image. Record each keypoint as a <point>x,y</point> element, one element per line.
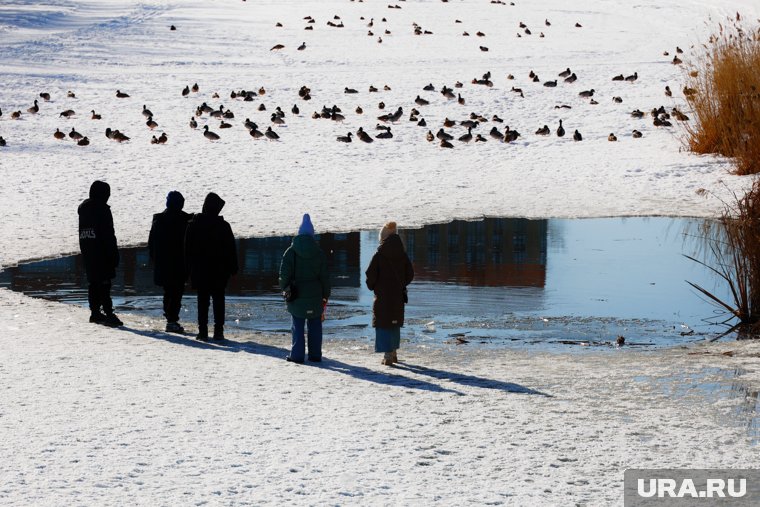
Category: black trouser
<point>204,295</point>
<point>173,300</point>
<point>99,295</point>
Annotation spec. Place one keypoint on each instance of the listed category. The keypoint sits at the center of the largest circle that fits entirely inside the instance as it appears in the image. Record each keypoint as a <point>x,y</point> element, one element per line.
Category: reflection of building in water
<point>45,276</point>
<point>493,252</point>
<point>258,259</point>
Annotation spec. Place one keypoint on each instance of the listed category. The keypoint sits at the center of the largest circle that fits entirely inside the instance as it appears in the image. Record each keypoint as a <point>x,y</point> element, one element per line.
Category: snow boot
<point>97,318</point>
<point>202,334</point>
<point>174,327</point>
<point>112,320</point>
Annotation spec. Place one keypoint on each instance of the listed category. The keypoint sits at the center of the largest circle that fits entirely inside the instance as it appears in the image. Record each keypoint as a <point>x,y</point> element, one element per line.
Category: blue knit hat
<point>175,200</point>
<point>306,226</point>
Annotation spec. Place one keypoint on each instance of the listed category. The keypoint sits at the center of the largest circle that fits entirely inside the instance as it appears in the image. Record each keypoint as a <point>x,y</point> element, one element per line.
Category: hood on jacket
<point>213,204</point>
<point>306,225</point>
<point>100,191</point>
<point>175,200</point>
<point>392,247</point>
<point>306,246</point>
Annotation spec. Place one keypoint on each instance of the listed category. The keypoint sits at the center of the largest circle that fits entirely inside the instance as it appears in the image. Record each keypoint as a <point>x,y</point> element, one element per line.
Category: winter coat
<point>210,250</point>
<point>97,240</point>
<point>388,274</point>
<point>166,244</point>
<point>310,274</point>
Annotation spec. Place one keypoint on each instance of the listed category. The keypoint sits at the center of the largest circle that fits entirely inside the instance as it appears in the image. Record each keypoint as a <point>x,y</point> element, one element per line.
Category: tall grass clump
<point>723,90</point>
<point>734,247</point>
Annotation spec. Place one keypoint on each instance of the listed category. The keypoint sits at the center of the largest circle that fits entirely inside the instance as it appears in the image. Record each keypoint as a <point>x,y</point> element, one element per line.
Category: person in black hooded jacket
<point>166,244</point>
<point>212,259</point>
<point>97,242</point>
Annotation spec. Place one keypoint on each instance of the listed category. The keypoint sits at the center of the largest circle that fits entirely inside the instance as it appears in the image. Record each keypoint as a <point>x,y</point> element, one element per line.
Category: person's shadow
<point>386,376</point>
<point>470,380</point>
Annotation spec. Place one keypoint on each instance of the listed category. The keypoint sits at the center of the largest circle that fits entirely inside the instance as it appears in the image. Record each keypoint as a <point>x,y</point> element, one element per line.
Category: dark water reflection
<point>495,281</point>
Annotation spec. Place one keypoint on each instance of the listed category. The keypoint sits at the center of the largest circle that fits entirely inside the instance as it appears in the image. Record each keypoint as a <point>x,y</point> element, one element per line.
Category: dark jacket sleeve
<point>324,278</point>
<point>232,262</point>
<point>372,273</point>
<point>112,248</point>
<point>153,237</point>
<point>286,268</point>
<point>408,271</point>
<point>189,241</point>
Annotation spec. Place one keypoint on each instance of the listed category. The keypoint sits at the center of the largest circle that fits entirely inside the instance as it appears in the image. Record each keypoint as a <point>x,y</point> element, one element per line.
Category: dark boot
<point>202,334</point>
<point>98,317</point>
<point>113,321</point>
<point>218,332</point>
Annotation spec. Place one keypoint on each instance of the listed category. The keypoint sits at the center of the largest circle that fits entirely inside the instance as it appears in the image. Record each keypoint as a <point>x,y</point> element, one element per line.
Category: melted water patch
<point>494,282</point>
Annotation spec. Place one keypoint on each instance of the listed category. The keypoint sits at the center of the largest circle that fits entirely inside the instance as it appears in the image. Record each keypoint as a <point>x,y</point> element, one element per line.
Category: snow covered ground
<point>93,416</point>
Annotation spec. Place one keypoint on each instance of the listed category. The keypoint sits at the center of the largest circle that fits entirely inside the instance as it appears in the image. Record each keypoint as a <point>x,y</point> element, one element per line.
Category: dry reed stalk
<point>723,90</point>
<point>735,248</point>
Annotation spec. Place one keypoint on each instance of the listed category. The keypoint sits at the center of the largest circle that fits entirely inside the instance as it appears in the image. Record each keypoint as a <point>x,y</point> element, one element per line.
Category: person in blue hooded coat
<point>305,264</point>
<point>166,244</point>
<point>97,241</point>
<point>211,256</point>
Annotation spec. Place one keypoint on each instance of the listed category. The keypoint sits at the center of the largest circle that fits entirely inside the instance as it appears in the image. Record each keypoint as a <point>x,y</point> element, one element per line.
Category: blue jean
<point>315,338</point>
<point>387,339</point>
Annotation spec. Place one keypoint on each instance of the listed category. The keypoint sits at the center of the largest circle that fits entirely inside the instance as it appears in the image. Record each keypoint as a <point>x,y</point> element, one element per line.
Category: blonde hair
<point>388,229</point>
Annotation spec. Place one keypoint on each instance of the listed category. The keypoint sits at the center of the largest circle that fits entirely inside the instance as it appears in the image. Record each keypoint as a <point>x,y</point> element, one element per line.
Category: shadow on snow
<point>386,377</point>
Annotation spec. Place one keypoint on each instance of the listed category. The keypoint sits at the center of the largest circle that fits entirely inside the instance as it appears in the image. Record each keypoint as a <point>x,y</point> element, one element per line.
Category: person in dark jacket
<point>97,242</point>
<point>388,274</point>
<point>305,264</point>
<point>166,244</point>
<point>211,256</point>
